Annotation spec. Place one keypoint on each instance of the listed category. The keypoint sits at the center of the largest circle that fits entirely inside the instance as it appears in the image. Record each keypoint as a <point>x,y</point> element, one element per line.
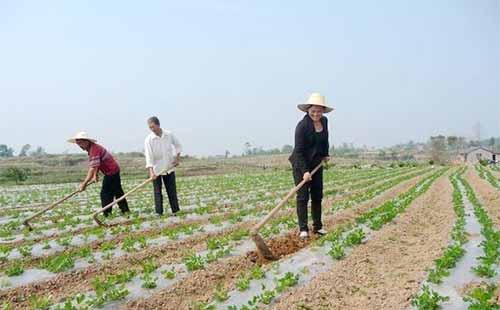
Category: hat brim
<point>304,107</point>
<point>73,140</point>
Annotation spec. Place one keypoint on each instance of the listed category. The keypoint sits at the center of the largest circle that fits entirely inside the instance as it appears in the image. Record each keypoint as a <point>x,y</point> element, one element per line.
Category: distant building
<point>473,155</point>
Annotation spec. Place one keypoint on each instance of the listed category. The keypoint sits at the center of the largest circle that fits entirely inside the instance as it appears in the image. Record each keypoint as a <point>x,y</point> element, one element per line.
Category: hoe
<point>262,247</point>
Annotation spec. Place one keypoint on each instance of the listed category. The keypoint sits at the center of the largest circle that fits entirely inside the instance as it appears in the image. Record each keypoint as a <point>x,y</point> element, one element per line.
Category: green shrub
<point>17,174</point>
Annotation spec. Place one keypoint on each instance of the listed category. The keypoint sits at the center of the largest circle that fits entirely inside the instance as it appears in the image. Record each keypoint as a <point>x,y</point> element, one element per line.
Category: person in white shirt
<point>162,150</point>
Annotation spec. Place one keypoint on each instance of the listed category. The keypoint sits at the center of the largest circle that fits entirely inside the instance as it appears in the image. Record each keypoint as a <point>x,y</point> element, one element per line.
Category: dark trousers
<point>170,186</point>
<point>112,188</point>
<point>314,190</point>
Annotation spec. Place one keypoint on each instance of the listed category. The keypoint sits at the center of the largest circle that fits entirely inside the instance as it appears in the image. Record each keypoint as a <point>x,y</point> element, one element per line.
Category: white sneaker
<point>303,234</point>
<point>321,232</point>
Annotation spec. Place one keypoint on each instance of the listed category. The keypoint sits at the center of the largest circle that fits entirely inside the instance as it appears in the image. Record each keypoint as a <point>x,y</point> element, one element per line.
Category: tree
<point>24,150</point>
<point>382,155</point>
<point>461,143</point>
<point>17,174</point>
<point>38,152</point>
<point>452,143</point>
<point>248,149</point>
<point>438,149</point>
<point>6,151</point>
<point>286,149</point>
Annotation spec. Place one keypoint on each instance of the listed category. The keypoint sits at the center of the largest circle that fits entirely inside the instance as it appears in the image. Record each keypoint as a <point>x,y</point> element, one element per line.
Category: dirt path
<point>487,195</point>
<point>200,285</point>
<point>385,272</point>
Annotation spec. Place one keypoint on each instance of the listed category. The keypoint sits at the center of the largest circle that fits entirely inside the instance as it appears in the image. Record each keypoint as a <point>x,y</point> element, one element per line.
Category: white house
<point>473,155</point>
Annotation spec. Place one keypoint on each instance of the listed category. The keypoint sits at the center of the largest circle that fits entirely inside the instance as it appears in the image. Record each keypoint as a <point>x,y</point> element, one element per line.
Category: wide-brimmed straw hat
<point>315,99</point>
<point>82,135</point>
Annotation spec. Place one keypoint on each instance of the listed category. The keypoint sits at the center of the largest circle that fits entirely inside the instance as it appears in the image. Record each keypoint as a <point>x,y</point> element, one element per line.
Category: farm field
<point>411,237</point>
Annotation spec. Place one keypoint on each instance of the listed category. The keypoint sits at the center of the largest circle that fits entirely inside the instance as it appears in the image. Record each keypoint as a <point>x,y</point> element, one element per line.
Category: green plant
<point>17,174</point>
<point>106,291</point>
<point>58,263</point>
<point>148,266</point>
<point>257,273</point>
<point>66,241</point>
<point>243,283</point>
<point>39,302</point>
<point>354,237</point>
<point>14,269</point>
<point>123,277</point>
<point>217,243</point>
<point>129,243</point>
<point>215,255</point>
<point>169,274</point>
<point>337,250</point>
<point>267,296</point>
<point>149,281</point>
<point>482,298</point>
<point>239,234</point>
<point>107,246</point>
<point>428,299</point>
<point>288,280</point>
<point>7,306</point>
<point>199,305</point>
<point>485,270</point>
<point>220,293</point>
<point>194,262</point>
<point>25,250</point>
<point>170,233</point>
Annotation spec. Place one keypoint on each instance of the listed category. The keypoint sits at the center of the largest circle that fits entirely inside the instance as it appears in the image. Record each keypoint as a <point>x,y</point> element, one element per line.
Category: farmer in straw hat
<point>311,147</point>
<point>101,160</point>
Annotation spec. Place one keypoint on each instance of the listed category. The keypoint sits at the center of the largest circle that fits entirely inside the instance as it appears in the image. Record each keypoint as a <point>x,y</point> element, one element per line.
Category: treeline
<point>26,150</point>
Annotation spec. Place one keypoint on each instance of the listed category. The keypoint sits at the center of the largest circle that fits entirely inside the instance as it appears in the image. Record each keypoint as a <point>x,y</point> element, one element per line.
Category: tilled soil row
<point>70,283</point>
<point>487,195</point>
<point>199,286</point>
<point>386,271</point>
<point>152,231</point>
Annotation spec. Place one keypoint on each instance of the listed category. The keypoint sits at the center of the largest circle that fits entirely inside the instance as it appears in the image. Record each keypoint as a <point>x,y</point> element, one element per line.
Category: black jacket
<point>310,147</point>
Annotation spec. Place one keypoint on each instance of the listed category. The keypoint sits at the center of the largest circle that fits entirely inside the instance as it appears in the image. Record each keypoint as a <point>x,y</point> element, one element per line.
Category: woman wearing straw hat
<point>311,147</point>
<point>101,160</point>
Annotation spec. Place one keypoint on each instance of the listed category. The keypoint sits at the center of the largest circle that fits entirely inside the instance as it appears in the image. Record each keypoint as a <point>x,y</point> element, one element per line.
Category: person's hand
<point>152,175</point>
<point>82,187</point>
<point>95,179</point>
<point>176,163</point>
<point>307,176</point>
<point>326,159</point>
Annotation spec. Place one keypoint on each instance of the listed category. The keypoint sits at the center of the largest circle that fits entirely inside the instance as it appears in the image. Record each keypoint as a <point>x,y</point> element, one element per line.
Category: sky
<point>222,73</point>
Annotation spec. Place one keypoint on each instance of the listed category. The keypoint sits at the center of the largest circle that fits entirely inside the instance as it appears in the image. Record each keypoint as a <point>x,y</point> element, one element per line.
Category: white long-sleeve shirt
<point>160,152</point>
